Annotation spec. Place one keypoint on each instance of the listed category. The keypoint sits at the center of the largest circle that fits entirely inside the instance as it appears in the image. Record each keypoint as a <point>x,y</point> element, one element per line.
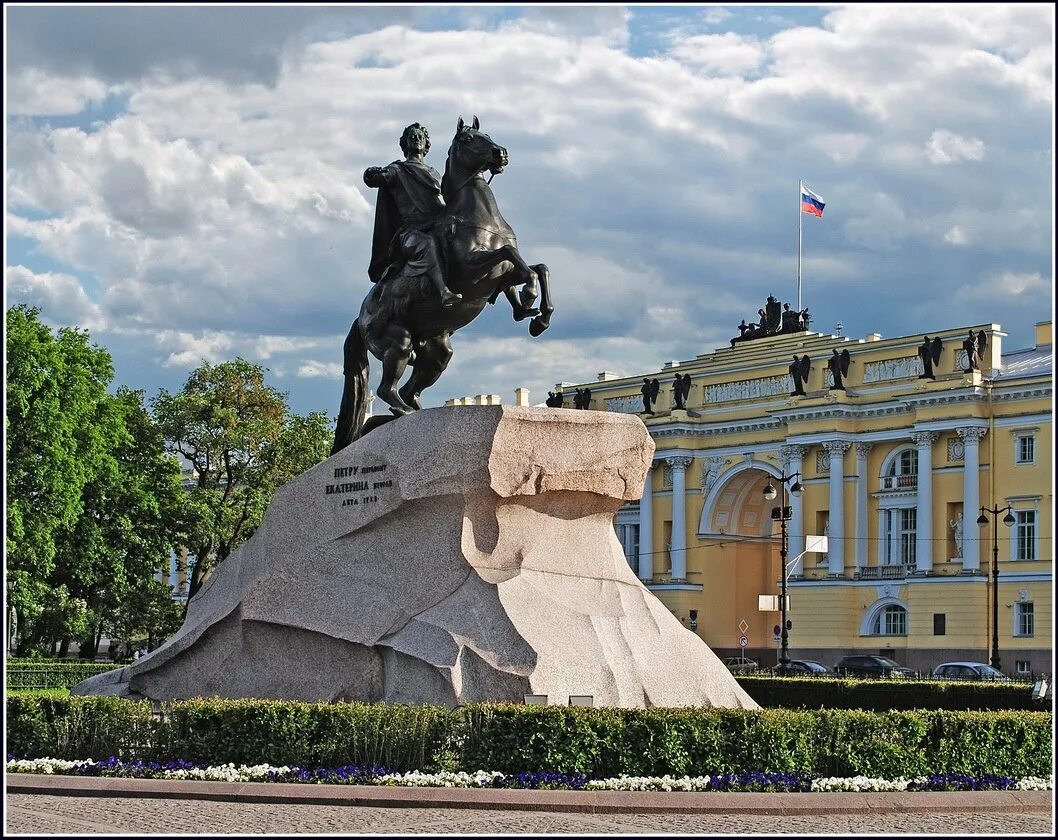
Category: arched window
<point>891,621</point>
<point>902,472</point>
<point>906,463</point>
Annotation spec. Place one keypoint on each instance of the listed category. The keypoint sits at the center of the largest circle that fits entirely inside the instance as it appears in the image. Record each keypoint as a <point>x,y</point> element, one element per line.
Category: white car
<point>740,665</point>
<point>968,671</point>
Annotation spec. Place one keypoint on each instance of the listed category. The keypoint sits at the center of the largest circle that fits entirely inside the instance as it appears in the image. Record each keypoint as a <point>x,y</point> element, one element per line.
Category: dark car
<point>968,671</point>
<point>871,666</point>
<point>804,668</point>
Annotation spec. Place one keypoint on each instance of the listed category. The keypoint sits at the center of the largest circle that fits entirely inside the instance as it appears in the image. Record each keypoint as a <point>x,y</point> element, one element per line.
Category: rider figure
<point>409,207</point>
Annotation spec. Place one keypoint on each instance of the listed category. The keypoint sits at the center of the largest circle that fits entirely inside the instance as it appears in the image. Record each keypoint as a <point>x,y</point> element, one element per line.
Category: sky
<point>186,182</point>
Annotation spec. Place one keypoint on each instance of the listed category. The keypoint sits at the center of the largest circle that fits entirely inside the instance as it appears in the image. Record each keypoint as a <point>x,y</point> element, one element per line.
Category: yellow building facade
<point>895,469</point>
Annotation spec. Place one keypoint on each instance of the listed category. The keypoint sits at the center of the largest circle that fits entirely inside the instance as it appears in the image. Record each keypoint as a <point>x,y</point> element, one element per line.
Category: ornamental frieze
<point>747,389</point>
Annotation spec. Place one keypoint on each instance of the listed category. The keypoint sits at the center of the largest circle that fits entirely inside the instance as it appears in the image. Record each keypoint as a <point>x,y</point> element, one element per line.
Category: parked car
<point>968,671</point>
<point>865,665</point>
<point>740,665</point>
<point>804,668</point>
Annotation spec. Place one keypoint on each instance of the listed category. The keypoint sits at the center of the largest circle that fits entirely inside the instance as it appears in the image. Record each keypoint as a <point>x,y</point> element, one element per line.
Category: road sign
<point>776,630</point>
<point>742,626</point>
<point>743,641</point>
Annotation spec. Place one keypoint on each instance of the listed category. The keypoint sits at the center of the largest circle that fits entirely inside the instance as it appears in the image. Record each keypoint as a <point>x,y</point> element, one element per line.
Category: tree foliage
<point>94,503</point>
<point>235,433</point>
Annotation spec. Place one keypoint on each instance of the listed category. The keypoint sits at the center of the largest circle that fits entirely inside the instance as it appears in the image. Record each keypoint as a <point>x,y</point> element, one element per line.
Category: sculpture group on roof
<point>774,319</point>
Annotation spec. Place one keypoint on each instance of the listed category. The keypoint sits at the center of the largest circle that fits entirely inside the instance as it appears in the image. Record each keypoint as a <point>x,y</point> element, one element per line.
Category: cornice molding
<point>713,429</point>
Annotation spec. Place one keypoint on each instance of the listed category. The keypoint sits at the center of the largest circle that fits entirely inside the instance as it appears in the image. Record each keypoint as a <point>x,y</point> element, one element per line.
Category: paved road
<point>45,814</point>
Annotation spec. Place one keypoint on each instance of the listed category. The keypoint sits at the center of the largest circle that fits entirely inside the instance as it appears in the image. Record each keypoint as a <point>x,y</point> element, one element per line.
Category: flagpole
<point>800,213</point>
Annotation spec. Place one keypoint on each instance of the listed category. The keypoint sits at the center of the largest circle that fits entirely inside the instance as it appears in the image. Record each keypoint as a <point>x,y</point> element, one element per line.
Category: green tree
<point>148,612</point>
<point>134,518</point>
<point>235,433</point>
<point>93,500</point>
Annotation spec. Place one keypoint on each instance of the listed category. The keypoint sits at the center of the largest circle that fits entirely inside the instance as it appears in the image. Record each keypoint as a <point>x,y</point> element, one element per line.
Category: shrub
<point>518,739</point>
<point>307,734</point>
<point>34,675</point>
<point>78,727</point>
<point>884,694</point>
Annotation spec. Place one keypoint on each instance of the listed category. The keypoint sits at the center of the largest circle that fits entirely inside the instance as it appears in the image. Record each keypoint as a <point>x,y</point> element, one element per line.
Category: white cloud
<point>947,147</point>
<point>1002,287</point>
<point>326,370</point>
<point>956,236</point>
<point>60,297</point>
<point>727,54</point>
<point>32,92</point>
<point>1012,283</point>
<point>220,215</point>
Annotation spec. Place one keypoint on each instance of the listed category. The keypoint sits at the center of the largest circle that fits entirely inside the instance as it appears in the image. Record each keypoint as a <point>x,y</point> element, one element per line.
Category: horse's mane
<point>445,178</point>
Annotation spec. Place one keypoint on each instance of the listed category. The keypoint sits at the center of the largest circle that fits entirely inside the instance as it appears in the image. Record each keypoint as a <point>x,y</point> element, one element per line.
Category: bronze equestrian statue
<point>440,253</point>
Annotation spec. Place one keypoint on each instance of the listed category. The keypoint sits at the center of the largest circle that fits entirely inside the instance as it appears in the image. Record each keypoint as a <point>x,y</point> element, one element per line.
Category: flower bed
<point>181,769</point>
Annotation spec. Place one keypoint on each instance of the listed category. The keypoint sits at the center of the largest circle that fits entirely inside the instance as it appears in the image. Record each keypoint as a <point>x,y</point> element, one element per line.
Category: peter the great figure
<point>441,253</point>
<point>407,215</point>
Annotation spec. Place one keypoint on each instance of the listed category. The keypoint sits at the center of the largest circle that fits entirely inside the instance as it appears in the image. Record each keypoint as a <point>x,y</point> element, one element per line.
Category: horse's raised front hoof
<point>522,314</point>
<point>538,325</point>
<point>400,411</point>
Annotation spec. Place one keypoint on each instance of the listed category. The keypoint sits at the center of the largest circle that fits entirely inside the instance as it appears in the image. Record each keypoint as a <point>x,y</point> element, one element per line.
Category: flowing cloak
<point>422,185</point>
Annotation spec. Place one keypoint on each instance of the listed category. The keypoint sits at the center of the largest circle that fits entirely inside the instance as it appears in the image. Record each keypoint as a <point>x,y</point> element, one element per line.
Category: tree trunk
<point>64,648</point>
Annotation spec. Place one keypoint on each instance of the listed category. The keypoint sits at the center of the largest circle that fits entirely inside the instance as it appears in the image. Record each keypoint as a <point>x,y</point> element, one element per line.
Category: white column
<point>862,449</point>
<point>791,457</point>
<point>924,517</point>
<point>836,541</point>
<point>971,497</point>
<point>678,552</point>
<point>646,528</point>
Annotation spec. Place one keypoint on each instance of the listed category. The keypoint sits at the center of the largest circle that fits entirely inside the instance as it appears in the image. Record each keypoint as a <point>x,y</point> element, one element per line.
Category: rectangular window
<point>1025,535</point>
<point>1026,619</point>
<point>907,535</point>
<point>1025,449</point>
<point>1023,667</point>
<point>939,621</point>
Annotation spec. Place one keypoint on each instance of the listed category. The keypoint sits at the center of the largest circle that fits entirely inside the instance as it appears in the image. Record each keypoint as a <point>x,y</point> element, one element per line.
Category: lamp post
<point>1008,520</point>
<point>769,493</point>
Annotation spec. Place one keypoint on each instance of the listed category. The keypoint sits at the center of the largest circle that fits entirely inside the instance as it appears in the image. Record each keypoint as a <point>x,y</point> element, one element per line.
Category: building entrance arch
<point>736,505</point>
<point>740,557</point>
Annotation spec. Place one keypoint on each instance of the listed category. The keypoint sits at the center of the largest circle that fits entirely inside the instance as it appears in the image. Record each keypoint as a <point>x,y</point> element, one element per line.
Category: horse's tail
<point>354,395</point>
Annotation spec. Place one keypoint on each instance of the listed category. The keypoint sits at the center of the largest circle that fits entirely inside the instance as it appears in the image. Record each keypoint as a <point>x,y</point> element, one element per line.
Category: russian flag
<point>811,203</point>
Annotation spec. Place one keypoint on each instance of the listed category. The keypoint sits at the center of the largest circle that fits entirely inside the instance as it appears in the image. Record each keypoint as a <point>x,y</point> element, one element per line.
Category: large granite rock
<point>455,555</point>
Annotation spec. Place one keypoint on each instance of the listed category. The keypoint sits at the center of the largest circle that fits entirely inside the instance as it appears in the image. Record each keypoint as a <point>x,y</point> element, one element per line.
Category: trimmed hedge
<point>885,694</point>
<point>768,691</point>
<point>515,738</point>
<point>37,674</point>
<point>837,742</point>
<point>306,734</point>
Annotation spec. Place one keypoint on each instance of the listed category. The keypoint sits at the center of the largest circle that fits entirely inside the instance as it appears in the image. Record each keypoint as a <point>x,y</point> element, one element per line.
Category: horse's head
<point>474,151</point>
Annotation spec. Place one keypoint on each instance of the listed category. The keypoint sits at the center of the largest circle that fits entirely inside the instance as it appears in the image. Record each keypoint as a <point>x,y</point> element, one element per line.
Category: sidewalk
<point>590,802</point>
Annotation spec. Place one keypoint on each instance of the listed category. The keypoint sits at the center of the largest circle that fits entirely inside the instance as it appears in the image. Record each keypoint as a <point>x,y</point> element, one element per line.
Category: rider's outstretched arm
<point>378,176</point>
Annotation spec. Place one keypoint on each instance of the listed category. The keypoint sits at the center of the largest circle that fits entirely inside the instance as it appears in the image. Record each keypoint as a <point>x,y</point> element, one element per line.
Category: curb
<point>595,802</point>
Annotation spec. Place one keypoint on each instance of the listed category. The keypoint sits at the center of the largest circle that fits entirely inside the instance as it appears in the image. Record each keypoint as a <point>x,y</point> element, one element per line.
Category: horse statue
<point>403,321</point>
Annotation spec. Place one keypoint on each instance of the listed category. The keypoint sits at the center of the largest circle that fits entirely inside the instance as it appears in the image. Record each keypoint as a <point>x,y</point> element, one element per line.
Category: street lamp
<point>1008,520</point>
<point>769,493</point>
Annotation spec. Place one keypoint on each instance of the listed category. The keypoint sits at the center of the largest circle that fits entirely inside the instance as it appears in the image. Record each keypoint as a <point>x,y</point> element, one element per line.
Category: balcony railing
<point>908,481</point>
<point>890,572</point>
